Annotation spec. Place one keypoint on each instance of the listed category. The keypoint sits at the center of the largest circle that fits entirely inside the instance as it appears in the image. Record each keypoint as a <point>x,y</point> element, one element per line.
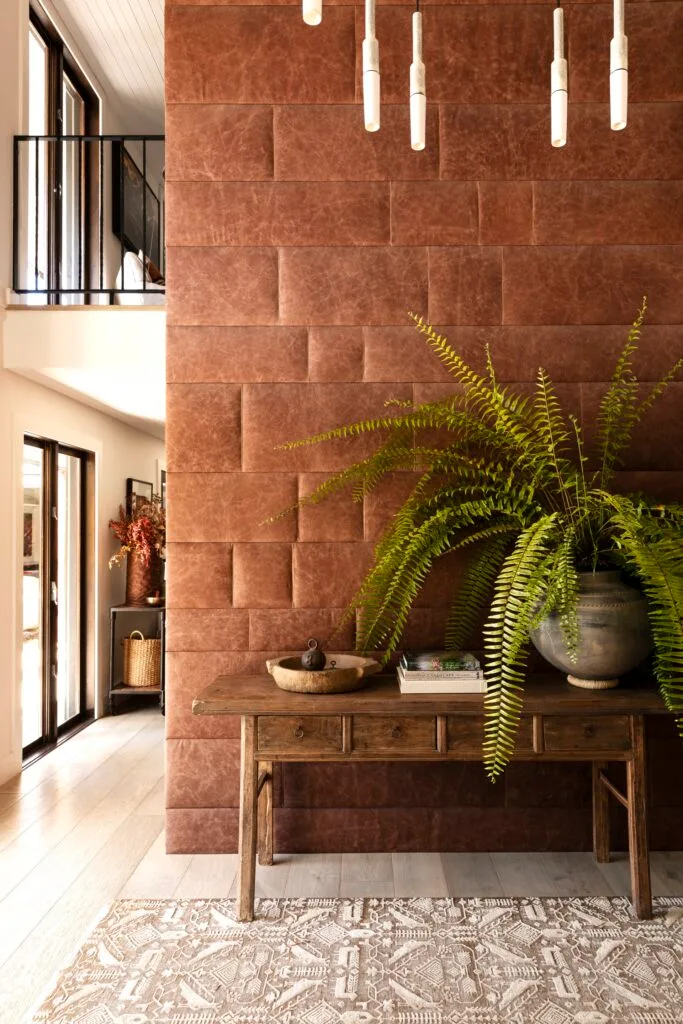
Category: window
<point>38,124</point>
<point>60,175</point>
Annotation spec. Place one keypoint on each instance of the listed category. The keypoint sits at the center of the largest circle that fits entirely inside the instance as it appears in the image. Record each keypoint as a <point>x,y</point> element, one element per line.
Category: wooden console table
<point>378,723</point>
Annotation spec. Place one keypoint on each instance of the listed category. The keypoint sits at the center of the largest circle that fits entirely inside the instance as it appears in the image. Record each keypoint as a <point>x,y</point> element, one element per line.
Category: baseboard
<point>10,765</point>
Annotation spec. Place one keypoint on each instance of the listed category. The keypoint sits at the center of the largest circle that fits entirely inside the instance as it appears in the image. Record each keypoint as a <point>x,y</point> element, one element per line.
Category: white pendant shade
<point>418,93</point>
<point>370,70</point>
<point>312,11</point>
<point>558,83</point>
<point>618,66</point>
<point>618,93</point>
<point>558,118</point>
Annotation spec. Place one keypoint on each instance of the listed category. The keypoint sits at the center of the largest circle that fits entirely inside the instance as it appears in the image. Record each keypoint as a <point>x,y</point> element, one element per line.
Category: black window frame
<point>61,63</point>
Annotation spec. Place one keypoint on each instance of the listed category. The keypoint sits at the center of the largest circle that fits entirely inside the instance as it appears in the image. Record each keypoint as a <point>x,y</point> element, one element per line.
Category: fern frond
<point>618,406</point>
<point>658,389</point>
<point>361,476</point>
<point>398,575</point>
<point>659,565</point>
<point>430,416</point>
<point>474,590</point>
<point>562,595</point>
<point>554,435</point>
<point>521,582</point>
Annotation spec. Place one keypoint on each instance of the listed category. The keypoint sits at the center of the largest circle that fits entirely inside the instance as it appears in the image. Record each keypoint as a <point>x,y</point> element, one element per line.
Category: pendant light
<point>370,70</point>
<point>312,11</point>
<point>618,67</point>
<point>418,95</point>
<point>558,82</point>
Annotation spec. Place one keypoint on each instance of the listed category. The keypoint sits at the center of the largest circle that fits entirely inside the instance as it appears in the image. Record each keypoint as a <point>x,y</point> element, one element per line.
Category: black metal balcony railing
<point>82,203</point>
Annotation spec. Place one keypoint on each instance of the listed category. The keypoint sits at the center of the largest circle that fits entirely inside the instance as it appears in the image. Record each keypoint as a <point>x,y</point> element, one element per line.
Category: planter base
<point>593,684</point>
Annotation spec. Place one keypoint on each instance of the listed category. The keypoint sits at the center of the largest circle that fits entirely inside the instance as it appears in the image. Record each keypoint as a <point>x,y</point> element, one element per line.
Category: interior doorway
<point>54,588</point>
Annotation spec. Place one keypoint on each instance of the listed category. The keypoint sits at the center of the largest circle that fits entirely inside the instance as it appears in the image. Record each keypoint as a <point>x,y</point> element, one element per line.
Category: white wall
<point>13,44</point>
<point>120,452</point>
<point>90,349</point>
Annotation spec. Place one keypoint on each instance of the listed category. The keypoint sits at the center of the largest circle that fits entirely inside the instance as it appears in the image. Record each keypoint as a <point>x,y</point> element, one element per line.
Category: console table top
<point>544,694</point>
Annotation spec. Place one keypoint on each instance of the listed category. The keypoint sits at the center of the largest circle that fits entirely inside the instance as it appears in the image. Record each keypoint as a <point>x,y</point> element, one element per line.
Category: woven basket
<point>141,661</point>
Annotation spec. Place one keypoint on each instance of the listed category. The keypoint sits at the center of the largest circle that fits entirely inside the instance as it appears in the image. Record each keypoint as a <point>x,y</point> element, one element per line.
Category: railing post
<point>122,215</point>
<point>144,216</point>
<point>101,212</point>
<point>79,219</point>
<point>37,213</point>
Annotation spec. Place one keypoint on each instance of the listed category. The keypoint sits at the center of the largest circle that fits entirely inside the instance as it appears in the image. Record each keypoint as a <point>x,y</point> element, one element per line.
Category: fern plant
<point>505,478</point>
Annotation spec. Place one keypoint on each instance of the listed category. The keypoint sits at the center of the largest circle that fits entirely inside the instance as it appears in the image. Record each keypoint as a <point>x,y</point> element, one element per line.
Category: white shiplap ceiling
<point>123,41</point>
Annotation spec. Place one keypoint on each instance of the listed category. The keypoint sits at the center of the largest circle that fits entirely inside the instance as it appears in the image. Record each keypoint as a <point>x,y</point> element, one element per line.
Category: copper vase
<point>142,580</point>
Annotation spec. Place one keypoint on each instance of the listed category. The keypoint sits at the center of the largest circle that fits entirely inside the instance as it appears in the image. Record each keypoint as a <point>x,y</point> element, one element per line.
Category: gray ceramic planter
<point>614,632</point>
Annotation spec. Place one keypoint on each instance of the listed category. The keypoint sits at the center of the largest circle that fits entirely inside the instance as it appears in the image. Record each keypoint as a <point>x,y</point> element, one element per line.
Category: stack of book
<point>440,672</point>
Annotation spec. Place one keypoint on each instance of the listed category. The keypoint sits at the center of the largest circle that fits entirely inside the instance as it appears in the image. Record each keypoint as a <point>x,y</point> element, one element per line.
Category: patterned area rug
<point>377,961</point>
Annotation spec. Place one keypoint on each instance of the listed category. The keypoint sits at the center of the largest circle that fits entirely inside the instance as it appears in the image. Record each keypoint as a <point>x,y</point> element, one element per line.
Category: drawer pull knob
<point>299,733</point>
<point>396,732</point>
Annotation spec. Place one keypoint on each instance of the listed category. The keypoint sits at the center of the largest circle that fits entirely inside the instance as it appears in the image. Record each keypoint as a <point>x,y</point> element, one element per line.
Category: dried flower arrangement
<point>141,531</point>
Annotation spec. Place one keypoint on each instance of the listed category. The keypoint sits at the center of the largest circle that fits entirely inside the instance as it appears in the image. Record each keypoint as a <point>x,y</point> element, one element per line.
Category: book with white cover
<point>439,684</point>
<point>445,686</point>
<point>427,677</point>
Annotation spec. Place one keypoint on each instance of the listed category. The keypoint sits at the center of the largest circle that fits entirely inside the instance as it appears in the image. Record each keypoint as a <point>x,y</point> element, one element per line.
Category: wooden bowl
<point>348,674</point>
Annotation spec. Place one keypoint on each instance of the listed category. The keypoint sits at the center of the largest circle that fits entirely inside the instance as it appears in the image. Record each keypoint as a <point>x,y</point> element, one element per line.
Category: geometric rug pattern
<point>376,961</point>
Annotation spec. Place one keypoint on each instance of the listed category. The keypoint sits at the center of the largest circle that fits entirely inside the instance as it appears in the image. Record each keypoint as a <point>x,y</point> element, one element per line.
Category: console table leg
<point>248,821</point>
<point>601,848</point>
<point>265,815</point>
<point>641,891</point>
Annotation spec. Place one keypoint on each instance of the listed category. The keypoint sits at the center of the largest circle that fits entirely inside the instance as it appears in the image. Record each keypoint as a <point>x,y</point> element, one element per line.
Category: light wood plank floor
<point>84,825</point>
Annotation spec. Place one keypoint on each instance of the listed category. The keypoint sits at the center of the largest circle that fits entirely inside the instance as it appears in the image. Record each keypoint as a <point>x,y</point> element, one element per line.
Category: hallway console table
<point>378,723</point>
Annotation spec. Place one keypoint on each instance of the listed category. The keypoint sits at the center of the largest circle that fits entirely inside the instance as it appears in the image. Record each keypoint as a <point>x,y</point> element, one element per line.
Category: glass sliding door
<point>69,585</point>
<point>54,619</point>
<point>33,587</point>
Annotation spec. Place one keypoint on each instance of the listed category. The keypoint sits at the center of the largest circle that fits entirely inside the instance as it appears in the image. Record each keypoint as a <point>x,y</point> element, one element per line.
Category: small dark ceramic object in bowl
<point>313,660</point>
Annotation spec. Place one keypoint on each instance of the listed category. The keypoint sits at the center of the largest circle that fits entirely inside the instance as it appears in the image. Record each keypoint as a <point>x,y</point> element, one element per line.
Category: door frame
<point>52,732</point>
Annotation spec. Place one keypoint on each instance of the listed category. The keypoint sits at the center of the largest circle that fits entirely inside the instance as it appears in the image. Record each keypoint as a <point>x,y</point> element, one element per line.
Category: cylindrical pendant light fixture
<point>558,82</point>
<point>312,11</point>
<point>418,93</point>
<point>618,71</point>
<point>370,70</point>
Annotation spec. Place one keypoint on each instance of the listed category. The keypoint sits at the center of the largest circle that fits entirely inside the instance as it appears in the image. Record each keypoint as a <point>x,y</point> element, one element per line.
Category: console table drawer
<point>286,733</point>
<point>611,732</point>
<point>466,735</point>
<point>377,733</point>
